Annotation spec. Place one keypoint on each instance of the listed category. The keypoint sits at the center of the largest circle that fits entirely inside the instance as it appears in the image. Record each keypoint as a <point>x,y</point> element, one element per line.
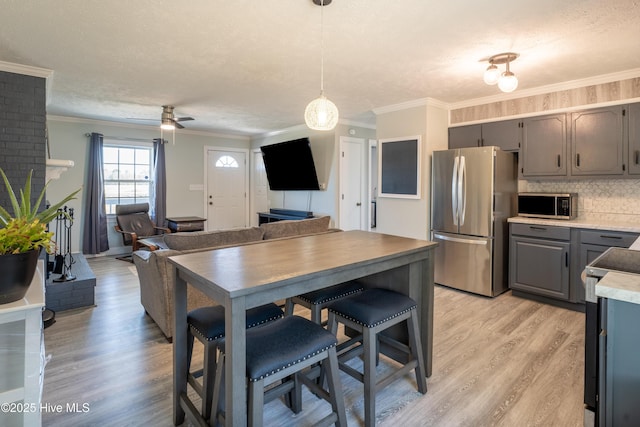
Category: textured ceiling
<point>250,67</point>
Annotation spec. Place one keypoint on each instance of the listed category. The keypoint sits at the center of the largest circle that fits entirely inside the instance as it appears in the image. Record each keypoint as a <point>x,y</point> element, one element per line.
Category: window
<point>127,175</point>
<point>227,162</point>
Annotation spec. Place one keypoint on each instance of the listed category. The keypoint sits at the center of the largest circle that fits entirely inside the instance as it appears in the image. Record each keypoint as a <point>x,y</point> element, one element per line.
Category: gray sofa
<point>156,274</point>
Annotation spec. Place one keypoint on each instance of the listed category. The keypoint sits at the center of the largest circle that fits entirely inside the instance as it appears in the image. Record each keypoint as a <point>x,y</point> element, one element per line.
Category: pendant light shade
<point>321,113</point>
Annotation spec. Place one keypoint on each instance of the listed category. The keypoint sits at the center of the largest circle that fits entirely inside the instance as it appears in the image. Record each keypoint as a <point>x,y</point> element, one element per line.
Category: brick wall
<point>22,132</point>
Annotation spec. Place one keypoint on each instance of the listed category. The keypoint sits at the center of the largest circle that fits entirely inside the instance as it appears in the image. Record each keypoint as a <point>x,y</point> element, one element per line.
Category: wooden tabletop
<point>240,270</point>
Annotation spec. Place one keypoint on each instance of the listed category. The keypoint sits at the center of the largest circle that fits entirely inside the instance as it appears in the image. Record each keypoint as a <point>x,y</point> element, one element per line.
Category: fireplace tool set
<point>63,260</point>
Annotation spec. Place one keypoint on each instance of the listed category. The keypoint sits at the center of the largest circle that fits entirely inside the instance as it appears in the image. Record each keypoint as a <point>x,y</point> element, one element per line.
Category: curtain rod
<point>124,138</point>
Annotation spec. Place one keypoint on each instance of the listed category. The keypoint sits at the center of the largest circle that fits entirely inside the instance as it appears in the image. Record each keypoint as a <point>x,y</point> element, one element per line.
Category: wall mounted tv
<point>289,166</point>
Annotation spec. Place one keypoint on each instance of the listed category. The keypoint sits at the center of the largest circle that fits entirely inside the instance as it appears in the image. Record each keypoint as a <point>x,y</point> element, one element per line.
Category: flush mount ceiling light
<point>321,113</point>
<point>507,81</point>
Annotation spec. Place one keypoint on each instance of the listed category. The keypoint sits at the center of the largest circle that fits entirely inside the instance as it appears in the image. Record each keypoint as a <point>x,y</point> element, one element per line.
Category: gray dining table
<point>246,276</point>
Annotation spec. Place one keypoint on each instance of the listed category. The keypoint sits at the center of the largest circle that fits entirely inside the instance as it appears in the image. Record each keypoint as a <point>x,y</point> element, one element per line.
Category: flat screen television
<point>289,166</point>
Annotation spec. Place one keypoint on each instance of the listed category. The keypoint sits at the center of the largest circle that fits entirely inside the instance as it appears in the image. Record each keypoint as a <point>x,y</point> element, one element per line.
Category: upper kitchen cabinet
<point>505,134</point>
<point>597,141</point>
<point>544,146</point>
<point>634,139</point>
<point>465,136</point>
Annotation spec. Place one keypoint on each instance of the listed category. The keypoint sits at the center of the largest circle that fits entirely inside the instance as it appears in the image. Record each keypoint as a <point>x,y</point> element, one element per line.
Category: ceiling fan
<point>168,121</point>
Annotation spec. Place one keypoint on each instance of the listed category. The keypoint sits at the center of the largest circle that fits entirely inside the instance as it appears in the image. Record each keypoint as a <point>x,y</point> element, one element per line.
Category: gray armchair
<point>134,223</point>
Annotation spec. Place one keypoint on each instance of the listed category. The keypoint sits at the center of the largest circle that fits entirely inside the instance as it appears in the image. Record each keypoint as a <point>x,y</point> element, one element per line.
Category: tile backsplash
<point>614,198</point>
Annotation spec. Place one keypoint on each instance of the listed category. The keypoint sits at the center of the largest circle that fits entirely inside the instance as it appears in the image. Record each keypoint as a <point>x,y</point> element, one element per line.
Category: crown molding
<point>96,122</point>
<point>27,70</point>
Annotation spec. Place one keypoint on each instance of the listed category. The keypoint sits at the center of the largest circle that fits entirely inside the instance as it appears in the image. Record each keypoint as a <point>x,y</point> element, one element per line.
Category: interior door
<point>352,210</point>
<point>226,189</point>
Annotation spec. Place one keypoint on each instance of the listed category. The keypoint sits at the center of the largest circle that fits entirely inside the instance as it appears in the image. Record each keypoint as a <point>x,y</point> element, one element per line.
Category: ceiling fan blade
<point>178,125</point>
<point>183,119</point>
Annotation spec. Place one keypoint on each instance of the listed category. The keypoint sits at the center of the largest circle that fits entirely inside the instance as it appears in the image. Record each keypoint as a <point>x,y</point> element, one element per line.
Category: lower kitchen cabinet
<point>548,261</point>
<point>618,370</point>
<point>539,260</point>
<point>592,244</point>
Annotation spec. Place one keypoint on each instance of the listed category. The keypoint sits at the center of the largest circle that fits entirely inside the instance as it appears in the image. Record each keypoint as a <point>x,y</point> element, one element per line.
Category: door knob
<point>358,204</point>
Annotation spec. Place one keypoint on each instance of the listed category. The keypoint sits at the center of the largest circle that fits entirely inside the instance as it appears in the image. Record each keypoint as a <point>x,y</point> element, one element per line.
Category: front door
<point>226,191</point>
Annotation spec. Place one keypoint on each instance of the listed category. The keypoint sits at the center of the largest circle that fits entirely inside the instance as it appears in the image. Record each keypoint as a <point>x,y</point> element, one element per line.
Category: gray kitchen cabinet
<point>544,146</point>
<point>465,136</point>
<point>634,139</point>
<point>505,134</point>
<point>539,260</point>
<point>618,363</point>
<point>597,141</point>
<point>592,244</point>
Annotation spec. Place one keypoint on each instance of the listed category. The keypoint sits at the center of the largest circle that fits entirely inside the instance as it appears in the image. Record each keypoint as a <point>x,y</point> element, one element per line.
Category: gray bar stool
<point>316,301</point>
<point>207,324</point>
<point>280,351</point>
<point>369,313</point>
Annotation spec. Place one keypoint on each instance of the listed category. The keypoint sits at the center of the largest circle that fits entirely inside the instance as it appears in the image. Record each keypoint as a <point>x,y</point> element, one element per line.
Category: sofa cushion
<point>287,228</point>
<point>210,239</point>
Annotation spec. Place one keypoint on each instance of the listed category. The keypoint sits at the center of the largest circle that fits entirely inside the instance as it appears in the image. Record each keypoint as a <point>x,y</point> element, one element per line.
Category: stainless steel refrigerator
<point>474,192</point>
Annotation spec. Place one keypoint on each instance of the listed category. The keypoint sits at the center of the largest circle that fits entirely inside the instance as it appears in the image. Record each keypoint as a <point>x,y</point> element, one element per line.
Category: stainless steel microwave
<point>548,205</point>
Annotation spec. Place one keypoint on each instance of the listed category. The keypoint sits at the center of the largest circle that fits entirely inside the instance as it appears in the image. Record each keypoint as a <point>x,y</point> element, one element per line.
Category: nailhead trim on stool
<point>316,301</point>
<point>281,349</point>
<point>369,313</point>
<point>207,324</point>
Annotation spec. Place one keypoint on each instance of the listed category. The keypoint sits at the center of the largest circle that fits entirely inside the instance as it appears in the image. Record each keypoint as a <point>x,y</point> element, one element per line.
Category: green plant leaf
<point>26,229</point>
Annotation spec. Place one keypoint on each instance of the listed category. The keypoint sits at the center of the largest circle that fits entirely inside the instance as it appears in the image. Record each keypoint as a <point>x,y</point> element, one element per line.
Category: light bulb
<point>508,82</point>
<point>491,75</point>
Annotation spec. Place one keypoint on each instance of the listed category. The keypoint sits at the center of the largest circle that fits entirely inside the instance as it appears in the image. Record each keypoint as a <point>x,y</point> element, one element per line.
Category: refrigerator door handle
<point>462,190</point>
<point>460,240</point>
<point>454,190</point>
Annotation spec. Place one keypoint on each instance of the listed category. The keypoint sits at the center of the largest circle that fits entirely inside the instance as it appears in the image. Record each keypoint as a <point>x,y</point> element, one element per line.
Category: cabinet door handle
<point>578,159</point>
<point>566,259</point>
<point>637,157</point>
<point>558,160</point>
<point>532,227</point>
<point>604,236</point>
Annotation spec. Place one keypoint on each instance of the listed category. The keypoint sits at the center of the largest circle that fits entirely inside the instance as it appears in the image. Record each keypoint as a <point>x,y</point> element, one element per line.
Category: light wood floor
<point>504,361</point>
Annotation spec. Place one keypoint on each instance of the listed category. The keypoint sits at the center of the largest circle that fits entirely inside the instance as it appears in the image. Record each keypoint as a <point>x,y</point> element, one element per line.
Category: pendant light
<point>321,113</point>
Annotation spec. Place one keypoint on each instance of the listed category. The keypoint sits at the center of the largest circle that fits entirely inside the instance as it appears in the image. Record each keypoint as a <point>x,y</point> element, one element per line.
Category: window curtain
<point>94,237</point>
<point>159,197</point>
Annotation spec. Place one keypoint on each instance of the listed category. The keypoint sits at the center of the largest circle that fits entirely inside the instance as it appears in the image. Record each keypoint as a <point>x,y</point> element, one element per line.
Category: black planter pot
<point>16,273</point>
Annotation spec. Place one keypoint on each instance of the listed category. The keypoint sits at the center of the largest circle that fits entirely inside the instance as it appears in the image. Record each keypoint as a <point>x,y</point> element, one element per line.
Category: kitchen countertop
<point>621,286</point>
<point>628,223</point>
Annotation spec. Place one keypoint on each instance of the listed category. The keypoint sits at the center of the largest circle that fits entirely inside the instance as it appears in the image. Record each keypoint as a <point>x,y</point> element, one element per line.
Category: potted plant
<point>22,236</point>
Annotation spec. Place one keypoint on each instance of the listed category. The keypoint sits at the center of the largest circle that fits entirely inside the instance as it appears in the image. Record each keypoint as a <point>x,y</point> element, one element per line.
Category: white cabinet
<point>22,356</point>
